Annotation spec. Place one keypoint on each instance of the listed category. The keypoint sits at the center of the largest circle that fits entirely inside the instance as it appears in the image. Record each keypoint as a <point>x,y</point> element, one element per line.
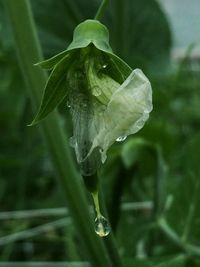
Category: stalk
<point>101,10</point>
<point>29,52</point>
<point>119,25</point>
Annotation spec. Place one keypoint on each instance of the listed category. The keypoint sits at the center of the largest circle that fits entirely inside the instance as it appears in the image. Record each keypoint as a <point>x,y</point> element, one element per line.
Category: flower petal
<point>126,113</point>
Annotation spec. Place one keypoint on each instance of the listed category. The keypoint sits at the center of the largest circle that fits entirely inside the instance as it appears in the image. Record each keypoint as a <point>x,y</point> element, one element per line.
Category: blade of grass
<point>61,211</point>
<point>186,247</point>
<point>30,233</point>
<point>29,52</point>
<point>44,264</point>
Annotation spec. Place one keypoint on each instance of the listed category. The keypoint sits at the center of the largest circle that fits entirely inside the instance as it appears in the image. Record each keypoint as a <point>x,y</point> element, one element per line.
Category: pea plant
<point>92,103</point>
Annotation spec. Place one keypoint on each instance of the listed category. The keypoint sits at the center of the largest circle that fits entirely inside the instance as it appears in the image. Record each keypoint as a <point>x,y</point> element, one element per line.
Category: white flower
<point>126,112</point>
<point>108,101</point>
<point>113,112</point>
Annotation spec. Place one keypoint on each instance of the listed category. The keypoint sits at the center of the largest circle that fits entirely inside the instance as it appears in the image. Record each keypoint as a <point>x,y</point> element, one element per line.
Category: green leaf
<point>51,62</point>
<point>183,215</point>
<point>55,90</point>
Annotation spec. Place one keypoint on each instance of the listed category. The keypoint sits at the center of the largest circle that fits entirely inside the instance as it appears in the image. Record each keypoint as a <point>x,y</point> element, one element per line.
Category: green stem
<point>95,196</point>
<point>159,178</point>
<point>191,213</point>
<point>29,52</point>
<point>101,10</point>
<point>119,25</point>
<point>109,240</point>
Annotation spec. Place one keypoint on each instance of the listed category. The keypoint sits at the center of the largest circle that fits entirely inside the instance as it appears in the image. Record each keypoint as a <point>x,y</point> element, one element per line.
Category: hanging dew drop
<point>102,227</point>
<point>121,138</point>
<point>104,66</point>
<point>101,224</point>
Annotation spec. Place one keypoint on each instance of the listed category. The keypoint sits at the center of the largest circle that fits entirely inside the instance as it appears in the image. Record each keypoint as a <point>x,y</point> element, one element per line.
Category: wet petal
<point>126,113</point>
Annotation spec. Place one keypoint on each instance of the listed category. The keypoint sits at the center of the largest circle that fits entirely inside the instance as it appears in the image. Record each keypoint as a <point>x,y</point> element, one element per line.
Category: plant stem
<point>101,10</point>
<point>159,178</point>
<point>191,213</point>
<point>29,52</point>
<point>119,26</point>
<point>109,240</point>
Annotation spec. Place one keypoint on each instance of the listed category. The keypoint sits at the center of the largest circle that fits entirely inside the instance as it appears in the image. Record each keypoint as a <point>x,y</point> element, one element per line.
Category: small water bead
<point>102,227</point>
<point>104,66</point>
<point>121,138</point>
<point>68,104</point>
<point>101,224</point>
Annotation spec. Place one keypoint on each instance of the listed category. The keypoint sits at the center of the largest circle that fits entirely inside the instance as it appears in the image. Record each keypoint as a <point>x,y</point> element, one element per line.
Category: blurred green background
<point>150,181</point>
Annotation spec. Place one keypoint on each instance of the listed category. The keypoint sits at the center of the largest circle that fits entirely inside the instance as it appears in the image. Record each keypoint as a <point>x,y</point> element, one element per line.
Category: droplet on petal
<point>121,138</point>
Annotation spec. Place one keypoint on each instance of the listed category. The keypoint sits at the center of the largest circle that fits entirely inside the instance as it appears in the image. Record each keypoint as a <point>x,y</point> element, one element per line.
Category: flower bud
<point>108,100</point>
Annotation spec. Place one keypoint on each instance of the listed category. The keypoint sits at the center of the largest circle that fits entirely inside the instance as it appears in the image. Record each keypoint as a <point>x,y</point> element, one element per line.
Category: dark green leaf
<point>55,90</point>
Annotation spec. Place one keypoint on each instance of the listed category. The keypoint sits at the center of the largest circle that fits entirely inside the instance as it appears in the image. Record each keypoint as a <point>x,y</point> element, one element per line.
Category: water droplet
<point>121,138</point>
<point>68,104</point>
<point>96,91</point>
<point>104,66</point>
<point>102,227</point>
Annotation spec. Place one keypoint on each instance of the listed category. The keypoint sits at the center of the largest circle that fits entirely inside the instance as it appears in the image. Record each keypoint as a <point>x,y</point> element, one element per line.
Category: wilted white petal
<point>125,114</point>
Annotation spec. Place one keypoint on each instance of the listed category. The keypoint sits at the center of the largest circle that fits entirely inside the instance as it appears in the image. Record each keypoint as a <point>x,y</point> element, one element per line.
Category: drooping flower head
<point>108,100</point>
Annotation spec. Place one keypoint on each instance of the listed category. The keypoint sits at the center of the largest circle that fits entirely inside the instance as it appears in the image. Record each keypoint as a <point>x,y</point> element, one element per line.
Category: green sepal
<point>51,62</point>
<point>55,89</point>
<point>86,33</point>
<point>94,32</point>
<point>117,68</point>
<point>91,32</point>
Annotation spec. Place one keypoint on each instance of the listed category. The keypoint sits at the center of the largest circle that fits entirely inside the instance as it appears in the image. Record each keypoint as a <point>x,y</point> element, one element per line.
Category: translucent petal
<point>125,114</point>
<point>82,112</point>
<point>101,119</point>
